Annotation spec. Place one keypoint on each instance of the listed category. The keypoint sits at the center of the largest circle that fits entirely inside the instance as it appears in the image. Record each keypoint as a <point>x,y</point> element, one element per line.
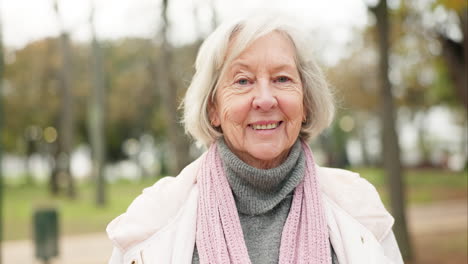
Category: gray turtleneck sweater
<point>263,199</point>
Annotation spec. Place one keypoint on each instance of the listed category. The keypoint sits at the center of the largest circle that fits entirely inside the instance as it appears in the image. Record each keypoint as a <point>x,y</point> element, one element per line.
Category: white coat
<point>160,224</point>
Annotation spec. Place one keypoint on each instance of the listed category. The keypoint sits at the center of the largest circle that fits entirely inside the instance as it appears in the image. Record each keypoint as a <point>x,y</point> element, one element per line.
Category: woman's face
<point>259,102</point>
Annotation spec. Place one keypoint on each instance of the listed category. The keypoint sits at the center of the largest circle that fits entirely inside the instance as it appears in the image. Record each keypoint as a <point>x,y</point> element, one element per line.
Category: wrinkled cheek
<point>232,124</point>
<point>234,114</point>
<point>294,112</point>
<point>293,129</point>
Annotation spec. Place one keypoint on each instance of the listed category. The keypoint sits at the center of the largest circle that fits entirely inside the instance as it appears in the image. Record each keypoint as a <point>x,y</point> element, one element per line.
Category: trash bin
<point>46,233</point>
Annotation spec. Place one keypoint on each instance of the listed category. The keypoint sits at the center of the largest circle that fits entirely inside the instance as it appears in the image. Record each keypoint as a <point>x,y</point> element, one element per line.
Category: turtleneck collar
<point>257,191</point>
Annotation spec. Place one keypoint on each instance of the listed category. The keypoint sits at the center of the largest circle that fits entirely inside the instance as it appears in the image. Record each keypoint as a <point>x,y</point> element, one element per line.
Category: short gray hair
<point>238,35</point>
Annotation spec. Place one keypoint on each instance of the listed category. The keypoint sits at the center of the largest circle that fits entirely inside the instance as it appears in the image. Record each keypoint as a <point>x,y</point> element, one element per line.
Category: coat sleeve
<point>116,257</point>
<point>391,250</point>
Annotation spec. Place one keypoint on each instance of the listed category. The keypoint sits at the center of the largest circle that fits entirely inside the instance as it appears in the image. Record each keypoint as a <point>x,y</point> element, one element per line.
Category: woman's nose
<point>264,98</point>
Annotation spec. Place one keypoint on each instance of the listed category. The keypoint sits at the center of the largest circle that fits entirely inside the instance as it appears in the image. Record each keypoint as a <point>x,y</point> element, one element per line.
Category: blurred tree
<point>97,116</point>
<point>420,68</point>
<point>31,80</point>
<point>178,144</point>
<point>66,119</point>
<point>455,52</point>
<point>391,150</point>
<point>134,81</point>
<point>127,94</point>
<point>355,81</point>
<point>333,141</point>
<point>33,77</point>
<point>418,73</point>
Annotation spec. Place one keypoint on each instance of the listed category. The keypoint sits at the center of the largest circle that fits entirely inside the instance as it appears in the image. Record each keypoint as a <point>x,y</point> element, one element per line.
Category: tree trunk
<point>391,150</point>
<point>178,143</point>
<point>96,117</point>
<point>66,118</point>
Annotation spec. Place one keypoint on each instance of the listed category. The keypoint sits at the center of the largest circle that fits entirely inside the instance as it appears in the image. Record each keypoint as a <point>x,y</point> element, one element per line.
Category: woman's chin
<point>267,156</point>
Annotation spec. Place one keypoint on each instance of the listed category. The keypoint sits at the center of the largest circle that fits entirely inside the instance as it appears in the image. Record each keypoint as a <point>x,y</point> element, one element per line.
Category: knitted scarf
<point>219,235</point>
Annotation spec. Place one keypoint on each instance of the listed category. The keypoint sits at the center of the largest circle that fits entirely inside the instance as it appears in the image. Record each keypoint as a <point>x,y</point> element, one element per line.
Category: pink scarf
<point>219,234</point>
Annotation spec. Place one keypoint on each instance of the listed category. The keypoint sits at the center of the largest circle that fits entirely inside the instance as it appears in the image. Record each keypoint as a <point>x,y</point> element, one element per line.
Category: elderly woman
<point>256,195</point>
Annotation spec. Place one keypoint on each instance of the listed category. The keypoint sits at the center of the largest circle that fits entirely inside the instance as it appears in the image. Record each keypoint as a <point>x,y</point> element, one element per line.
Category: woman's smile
<point>265,125</point>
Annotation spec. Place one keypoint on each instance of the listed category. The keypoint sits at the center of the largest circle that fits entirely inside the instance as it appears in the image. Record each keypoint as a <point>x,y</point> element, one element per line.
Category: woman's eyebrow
<point>239,65</point>
<point>285,66</point>
<point>289,66</point>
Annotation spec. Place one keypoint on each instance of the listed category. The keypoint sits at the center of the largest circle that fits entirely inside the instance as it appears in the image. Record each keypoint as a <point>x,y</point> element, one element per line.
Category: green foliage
<point>132,97</point>
<point>32,80</point>
<point>441,91</point>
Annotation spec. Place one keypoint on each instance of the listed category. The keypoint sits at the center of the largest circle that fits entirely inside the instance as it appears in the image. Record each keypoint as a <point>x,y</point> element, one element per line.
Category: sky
<point>24,21</point>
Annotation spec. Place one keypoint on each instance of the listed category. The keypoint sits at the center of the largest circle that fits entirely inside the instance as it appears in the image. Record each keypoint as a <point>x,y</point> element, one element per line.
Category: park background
<point>89,95</point>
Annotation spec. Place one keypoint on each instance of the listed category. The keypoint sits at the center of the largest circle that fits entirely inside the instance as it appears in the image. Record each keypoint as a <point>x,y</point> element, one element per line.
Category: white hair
<point>237,36</point>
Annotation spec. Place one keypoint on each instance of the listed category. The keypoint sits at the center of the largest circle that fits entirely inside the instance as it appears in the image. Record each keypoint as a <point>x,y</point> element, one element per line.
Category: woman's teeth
<point>269,126</point>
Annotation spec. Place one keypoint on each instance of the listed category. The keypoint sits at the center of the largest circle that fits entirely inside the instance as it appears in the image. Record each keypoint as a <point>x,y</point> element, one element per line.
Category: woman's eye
<point>243,81</point>
<point>282,79</point>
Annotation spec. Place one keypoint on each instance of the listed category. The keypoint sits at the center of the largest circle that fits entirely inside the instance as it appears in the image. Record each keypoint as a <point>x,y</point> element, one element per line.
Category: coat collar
<point>160,203</point>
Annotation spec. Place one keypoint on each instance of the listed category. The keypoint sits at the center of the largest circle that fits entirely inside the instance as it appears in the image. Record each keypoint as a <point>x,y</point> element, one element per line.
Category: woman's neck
<point>259,190</point>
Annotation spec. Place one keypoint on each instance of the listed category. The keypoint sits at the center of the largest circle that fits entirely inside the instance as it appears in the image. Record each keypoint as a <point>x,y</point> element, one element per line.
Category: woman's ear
<point>213,115</point>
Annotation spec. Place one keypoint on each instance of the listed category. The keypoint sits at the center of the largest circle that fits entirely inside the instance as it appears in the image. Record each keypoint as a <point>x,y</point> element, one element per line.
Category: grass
<point>82,216</point>
<point>422,185</point>
<point>75,216</point>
